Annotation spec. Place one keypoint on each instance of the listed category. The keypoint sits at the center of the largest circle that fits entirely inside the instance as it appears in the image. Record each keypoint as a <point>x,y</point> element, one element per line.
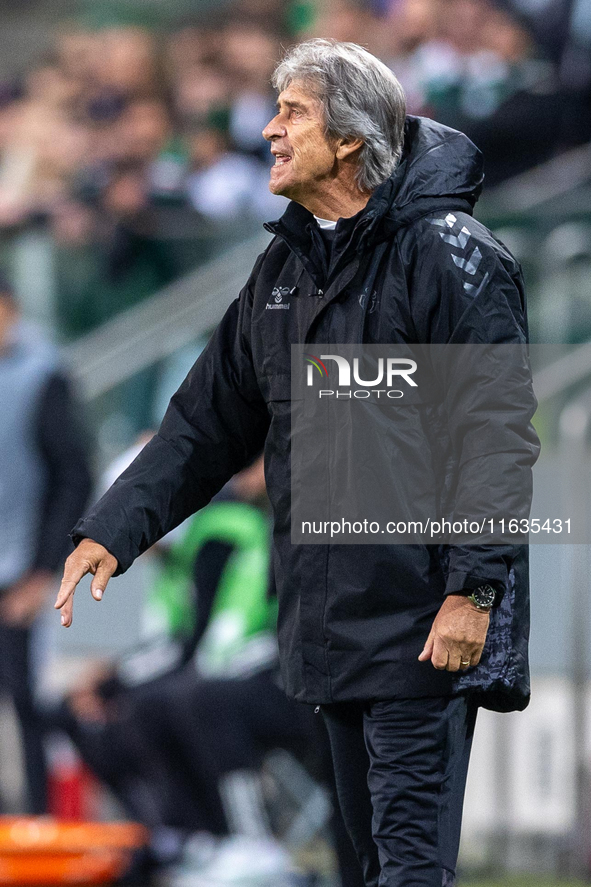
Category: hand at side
<point>89,557</point>
<point>457,635</point>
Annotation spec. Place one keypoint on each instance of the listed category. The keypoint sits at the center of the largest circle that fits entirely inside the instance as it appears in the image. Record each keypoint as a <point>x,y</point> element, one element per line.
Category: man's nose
<point>274,129</point>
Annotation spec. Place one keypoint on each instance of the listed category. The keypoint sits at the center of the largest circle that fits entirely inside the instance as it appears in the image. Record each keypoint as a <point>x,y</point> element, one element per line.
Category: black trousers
<point>400,769</point>
<point>16,680</point>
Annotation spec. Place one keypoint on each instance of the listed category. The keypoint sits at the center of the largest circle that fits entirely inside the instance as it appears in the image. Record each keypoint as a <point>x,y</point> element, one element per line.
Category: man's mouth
<point>280,159</point>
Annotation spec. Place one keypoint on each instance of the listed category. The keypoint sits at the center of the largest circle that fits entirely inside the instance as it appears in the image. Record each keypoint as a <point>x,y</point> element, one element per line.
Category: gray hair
<point>360,97</point>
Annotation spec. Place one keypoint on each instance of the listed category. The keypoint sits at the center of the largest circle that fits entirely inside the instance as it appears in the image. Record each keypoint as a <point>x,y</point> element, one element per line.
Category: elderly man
<point>390,641</point>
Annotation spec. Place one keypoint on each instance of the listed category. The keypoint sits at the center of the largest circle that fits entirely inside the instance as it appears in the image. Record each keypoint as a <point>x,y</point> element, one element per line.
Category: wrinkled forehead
<point>301,93</point>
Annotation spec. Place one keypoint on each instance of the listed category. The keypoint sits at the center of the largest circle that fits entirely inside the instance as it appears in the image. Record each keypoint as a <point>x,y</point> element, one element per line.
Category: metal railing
<point>176,316</point>
<point>538,187</point>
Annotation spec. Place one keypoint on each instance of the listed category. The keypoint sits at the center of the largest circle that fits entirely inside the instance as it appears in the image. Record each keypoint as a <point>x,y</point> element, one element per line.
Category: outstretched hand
<point>457,635</point>
<point>89,557</point>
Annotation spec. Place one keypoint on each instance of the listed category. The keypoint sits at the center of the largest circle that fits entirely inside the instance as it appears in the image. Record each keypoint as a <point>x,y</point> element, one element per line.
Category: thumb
<point>101,579</point>
<point>428,648</point>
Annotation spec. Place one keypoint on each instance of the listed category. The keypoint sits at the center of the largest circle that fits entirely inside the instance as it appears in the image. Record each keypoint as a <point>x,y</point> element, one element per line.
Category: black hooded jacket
<point>412,267</point>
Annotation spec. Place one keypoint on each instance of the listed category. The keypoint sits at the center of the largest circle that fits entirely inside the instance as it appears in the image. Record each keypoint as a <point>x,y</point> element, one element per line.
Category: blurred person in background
<point>178,727</point>
<point>226,547</point>
<point>344,20</point>
<point>134,264</point>
<point>39,147</point>
<point>200,94</point>
<point>44,482</point>
<point>227,185</point>
<point>399,646</point>
<point>249,57</point>
<point>127,62</point>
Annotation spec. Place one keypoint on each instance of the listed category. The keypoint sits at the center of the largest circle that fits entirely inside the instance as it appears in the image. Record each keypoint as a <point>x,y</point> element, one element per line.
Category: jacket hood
<point>437,161</point>
<point>440,168</point>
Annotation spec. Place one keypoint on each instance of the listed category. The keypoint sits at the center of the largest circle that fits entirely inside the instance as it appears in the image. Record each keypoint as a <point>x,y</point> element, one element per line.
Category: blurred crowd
<point>122,137</point>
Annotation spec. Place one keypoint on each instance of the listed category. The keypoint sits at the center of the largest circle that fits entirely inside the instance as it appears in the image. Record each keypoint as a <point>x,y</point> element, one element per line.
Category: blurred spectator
<point>344,20</point>
<point>210,602</point>
<point>127,62</point>
<point>226,184</point>
<point>249,56</point>
<point>178,727</point>
<point>201,93</point>
<point>108,254</point>
<point>575,68</point>
<point>44,485</point>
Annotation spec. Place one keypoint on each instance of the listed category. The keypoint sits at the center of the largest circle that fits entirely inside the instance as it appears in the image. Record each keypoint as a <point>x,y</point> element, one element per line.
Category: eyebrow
<point>288,104</point>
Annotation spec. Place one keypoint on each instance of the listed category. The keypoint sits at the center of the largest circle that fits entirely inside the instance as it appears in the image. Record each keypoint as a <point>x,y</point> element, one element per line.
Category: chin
<point>282,187</point>
<point>281,190</point>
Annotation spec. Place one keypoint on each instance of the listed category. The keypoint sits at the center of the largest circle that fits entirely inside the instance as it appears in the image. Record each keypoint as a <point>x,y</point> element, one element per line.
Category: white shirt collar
<point>326,224</point>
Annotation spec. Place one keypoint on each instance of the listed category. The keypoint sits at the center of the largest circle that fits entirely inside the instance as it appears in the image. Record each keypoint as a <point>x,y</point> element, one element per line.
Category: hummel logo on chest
<point>278,294</point>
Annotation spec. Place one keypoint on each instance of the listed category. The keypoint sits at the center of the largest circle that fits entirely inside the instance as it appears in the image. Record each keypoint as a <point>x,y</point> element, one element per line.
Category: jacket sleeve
<point>468,296</point>
<point>214,425</point>
<point>68,479</point>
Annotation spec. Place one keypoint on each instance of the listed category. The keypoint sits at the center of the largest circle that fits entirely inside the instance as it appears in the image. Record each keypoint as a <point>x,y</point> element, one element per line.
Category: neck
<point>336,203</point>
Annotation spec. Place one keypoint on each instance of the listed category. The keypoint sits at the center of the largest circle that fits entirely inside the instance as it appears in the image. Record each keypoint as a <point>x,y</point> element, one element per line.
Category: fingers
<point>462,661</point>
<point>428,648</point>
<point>440,655</point>
<point>68,611</point>
<point>449,657</point>
<point>459,661</point>
<point>89,557</point>
<point>104,571</point>
<point>74,570</point>
<point>454,660</point>
<point>444,656</point>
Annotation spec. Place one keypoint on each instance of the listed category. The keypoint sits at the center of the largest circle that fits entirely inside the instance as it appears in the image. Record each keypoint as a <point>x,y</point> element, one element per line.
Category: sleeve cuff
<point>120,546</point>
<point>465,583</point>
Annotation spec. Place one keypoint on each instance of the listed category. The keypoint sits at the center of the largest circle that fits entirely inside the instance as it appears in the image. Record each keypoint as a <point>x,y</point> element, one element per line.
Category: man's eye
<point>295,112</point>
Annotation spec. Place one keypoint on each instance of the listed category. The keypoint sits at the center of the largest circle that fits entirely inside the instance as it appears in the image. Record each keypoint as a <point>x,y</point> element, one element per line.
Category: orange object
<point>41,850</point>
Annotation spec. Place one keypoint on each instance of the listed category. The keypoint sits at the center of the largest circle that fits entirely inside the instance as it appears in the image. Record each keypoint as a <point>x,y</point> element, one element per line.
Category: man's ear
<point>347,147</point>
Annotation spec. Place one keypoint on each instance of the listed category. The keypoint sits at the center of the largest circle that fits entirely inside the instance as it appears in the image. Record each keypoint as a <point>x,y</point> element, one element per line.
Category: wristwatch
<point>483,597</point>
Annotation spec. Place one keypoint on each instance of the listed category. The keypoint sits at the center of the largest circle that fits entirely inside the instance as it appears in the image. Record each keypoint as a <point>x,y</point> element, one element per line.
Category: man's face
<point>304,158</point>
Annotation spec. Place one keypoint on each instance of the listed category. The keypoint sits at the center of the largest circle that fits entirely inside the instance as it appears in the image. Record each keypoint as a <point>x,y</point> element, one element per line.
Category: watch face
<point>484,596</point>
